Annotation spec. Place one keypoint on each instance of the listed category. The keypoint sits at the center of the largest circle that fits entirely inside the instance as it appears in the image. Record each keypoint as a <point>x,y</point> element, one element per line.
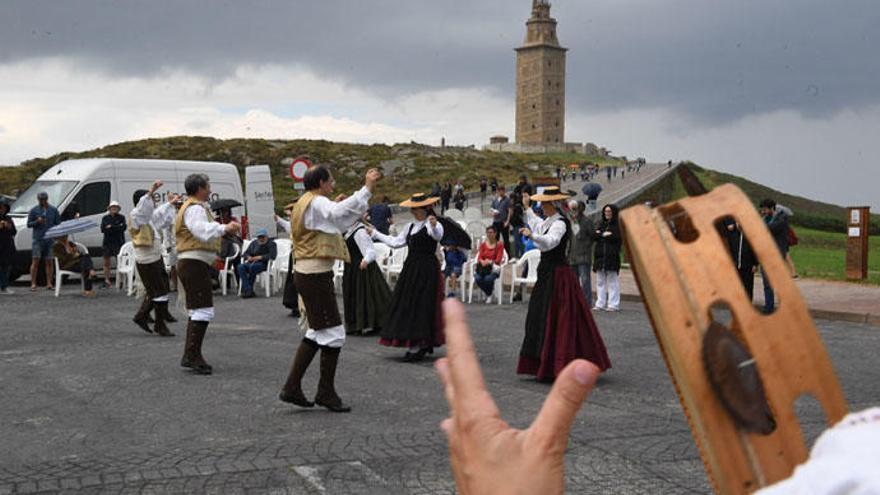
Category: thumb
<point>571,388</point>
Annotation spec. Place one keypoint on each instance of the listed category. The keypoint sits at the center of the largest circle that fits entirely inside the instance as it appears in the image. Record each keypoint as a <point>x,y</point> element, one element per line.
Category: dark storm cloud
<point>714,61</point>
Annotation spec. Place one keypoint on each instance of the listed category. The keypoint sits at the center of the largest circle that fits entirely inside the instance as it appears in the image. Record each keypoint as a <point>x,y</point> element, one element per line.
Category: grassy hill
<point>808,213</point>
<point>409,168</point>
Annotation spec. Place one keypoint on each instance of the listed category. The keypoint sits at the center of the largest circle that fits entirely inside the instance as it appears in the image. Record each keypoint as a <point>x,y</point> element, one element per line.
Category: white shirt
<point>283,224</point>
<point>146,213</point>
<point>196,220</point>
<point>844,459</point>
<point>331,217</point>
<point>436,233</point>
<point>364,243</point>
<point>546,234</point>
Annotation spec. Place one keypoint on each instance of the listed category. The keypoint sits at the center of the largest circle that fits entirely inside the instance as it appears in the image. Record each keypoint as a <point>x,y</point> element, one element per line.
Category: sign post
<point>857,242</point>
<point>298,170</point>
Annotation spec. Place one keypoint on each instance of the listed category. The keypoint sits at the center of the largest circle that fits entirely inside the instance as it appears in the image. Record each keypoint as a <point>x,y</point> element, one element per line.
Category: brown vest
<point>142,236</point>
<point>186,241</point>
<point>313,243</point>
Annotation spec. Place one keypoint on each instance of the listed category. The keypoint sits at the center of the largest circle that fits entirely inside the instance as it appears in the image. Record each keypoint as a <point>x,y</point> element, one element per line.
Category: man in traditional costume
<point>145,224</point>
<point>317,224</point>
<point>197,237</point>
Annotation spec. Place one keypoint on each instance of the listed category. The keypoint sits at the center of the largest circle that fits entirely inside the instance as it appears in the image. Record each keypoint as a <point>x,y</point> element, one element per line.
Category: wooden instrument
<point>722,371</point>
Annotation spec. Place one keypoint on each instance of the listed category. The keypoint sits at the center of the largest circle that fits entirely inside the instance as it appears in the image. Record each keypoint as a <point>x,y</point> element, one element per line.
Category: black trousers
<point>291,297</point>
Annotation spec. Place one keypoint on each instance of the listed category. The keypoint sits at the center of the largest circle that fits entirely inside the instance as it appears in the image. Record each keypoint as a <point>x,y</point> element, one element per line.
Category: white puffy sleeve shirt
<point>546,234</point>
<point>333,217</point>
<point>436,233</point>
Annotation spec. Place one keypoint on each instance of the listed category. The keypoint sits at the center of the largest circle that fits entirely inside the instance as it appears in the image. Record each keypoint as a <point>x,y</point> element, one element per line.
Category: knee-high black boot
<point>142,317</point>
<point>192,351</point>
<point>292,391</point>
<point>326,385</point>
<point>161,317</point>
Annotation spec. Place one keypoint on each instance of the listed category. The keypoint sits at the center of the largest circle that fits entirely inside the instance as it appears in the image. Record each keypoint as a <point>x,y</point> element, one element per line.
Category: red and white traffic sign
<point>299,167</point>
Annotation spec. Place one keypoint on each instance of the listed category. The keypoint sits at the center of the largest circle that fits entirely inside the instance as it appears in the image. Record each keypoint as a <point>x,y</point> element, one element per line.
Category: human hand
<point>275,216</point>
<point>364,264</point>
<point>155,186</point>
<point>41,220</point>
<point>526,232</point>
<point>487,455</point>
<point>173,198</point>
<point>433,220</point>
<point>370,230</point>
<point>232,228</point>
<point>373,175</point>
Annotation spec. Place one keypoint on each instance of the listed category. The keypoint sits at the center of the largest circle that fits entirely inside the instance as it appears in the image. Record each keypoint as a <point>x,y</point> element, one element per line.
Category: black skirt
<point>366,297</point>
<point>414,319</point>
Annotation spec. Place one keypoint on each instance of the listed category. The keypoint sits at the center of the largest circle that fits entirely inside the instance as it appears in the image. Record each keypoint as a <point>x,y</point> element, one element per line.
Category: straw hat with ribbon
<point>550,194</point>
<point>419,200</point>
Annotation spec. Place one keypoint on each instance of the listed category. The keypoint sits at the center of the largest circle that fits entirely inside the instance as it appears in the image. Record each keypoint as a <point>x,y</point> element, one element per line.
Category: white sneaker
<point>612,310</point>
<point>7,292</point>
<point>598,308</point>
<point>488,299</point>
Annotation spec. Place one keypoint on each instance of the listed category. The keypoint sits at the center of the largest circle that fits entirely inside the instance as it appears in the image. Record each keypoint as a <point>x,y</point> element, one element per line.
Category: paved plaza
<point>92,404</point>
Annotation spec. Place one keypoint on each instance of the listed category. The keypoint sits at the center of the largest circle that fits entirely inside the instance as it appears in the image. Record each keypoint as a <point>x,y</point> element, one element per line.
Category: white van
<point>90,184</point>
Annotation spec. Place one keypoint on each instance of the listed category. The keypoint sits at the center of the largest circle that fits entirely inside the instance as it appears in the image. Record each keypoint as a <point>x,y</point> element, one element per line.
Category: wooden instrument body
<point>681,281</point>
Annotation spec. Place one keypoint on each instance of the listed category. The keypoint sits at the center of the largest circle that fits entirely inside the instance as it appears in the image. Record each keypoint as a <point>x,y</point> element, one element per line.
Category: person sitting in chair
<point>255,261</point>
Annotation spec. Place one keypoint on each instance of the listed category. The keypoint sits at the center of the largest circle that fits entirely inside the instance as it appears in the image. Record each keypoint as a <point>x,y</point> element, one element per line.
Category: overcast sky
<point>784,92</point>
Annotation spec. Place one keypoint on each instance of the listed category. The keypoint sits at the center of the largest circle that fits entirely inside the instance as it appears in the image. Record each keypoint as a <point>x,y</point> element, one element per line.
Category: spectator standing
<point>606,260</point>
<point>71,259</point>
<point>484,185</point>
<point>501,215</point>
<point>523,186</point>
<point>777,221</point>
<point>381,214</point>
<point>7,246</point>
<point>743,256</point>
<point>41,218</point>
<point>436,190</point>
<point>488,265</point>
<point>255,261</point>
<point>581,248</point>
<point>516,223</point>
<point>494,185</point>
<point>445,197</point>
<point>113,227</point>
<point>459,198</point>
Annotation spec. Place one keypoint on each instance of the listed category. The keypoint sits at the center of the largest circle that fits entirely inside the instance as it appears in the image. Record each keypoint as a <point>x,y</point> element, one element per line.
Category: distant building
<point>540,81</point>
<point>498,140</point>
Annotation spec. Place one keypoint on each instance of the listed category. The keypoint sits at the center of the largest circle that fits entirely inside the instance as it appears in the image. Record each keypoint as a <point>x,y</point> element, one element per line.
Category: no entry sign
<point>299,167</point>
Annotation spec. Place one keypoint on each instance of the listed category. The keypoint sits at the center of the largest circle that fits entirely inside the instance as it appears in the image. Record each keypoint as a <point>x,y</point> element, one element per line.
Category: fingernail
<point>583,373</point>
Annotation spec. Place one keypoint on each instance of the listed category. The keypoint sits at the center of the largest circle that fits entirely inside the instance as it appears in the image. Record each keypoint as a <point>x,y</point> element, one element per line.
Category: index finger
<point>472,400</point>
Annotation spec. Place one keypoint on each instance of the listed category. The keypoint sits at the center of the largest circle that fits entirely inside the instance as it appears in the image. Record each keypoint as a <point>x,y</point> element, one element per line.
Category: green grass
<point>823,255</point>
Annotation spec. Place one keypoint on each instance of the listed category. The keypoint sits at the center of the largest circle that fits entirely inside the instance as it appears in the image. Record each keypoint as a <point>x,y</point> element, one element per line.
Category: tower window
<point>534,106</point>
<point>557,103</point>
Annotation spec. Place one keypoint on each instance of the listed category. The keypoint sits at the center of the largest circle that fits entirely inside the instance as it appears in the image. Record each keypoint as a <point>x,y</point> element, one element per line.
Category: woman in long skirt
<point>365,293</point>
<point>559,325</point>
<point>414,319</point>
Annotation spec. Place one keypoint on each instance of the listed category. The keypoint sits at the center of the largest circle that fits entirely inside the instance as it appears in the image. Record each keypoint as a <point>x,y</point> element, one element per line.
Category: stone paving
<point>90,404</point>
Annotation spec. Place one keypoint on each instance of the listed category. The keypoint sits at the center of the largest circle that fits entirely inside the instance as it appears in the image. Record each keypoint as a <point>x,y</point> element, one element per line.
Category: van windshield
<point>56,189</point>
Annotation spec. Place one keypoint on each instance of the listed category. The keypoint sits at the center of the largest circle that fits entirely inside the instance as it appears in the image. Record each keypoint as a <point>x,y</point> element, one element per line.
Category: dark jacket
<point>581,247</point>
<point>51,215</point>
<point>267,251</point>
<point>740,250</point>
<point>7,240</point>
<point>778,225</point>
<point>113,227</point>
<point>607,249</point>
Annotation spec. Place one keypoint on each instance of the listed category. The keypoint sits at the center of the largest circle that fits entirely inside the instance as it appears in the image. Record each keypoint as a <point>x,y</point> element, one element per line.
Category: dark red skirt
<point>569,331</point>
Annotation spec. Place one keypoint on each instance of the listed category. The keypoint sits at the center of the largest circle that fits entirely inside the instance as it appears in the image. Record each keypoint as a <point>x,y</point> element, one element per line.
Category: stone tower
<point>540,81</point>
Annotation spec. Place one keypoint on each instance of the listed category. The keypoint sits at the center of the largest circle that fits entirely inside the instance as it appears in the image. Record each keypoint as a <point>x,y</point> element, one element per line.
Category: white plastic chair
<point>59,273</point>
<point>471,213</point>
<point>282,260</point>
<point>228,271</point>
<point>395,263</point>
<point>476,230</point>
<point>531,260</point>
<point>454,214</point>
<point>125,268</point>
<point>498,292</point>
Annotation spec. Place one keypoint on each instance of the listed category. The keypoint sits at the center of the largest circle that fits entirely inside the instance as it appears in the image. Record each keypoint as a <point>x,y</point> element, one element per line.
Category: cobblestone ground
<point>90,404</point>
